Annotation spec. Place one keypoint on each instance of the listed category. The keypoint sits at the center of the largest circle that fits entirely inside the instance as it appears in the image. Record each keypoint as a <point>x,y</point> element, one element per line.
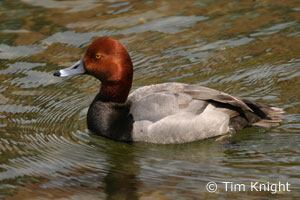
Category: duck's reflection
<point>121,181</point>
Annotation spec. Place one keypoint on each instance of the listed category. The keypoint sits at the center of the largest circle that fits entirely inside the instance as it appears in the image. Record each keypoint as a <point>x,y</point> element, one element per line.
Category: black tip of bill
<point>57,73</point>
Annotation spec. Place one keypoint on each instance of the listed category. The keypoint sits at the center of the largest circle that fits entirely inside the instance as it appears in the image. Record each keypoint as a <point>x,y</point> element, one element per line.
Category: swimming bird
<point>161,113</point>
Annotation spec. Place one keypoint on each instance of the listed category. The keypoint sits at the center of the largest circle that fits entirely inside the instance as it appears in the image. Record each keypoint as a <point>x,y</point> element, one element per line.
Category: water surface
<point>245,48</point>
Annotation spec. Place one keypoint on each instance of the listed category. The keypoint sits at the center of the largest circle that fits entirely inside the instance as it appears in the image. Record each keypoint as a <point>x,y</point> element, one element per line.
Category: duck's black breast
<point>110,119</point>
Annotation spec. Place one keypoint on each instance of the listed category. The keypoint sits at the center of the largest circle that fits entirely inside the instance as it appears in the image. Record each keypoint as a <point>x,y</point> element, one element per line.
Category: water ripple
<point>173,25</point>
<point>74,6</point>
<point>13,52</point>
<point>244,48</point>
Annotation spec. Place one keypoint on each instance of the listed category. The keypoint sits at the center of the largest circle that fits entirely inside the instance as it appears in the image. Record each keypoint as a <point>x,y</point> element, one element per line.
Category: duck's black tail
<point>269,116</point>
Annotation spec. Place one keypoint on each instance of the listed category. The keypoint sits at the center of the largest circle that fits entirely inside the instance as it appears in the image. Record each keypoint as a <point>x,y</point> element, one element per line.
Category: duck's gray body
<point>179,113</point>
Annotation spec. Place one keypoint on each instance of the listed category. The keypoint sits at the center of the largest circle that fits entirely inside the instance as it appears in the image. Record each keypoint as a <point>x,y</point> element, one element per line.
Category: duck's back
<point>178,113</point>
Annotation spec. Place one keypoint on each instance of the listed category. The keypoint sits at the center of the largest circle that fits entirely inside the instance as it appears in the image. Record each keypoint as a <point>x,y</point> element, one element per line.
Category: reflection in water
<point>121,181</point>
<point>246,48</point>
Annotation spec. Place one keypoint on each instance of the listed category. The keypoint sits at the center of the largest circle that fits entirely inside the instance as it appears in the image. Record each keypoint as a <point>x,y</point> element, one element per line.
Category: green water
<point>248,48</point>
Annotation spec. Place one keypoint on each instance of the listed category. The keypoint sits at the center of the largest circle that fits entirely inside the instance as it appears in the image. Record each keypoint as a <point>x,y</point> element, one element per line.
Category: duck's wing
<point>194,91</point>
<point>177,113</point>
<point>157,101</point>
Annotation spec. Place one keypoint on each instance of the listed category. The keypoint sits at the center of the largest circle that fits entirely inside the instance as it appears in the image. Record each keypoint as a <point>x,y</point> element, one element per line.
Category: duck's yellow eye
<point>98,57</point>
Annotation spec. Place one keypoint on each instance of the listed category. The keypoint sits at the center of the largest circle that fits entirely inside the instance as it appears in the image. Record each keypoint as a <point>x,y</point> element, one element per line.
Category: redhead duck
<point>162,113</point>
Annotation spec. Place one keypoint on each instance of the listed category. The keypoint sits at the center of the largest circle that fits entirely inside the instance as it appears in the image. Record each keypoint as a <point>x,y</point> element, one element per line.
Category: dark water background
<point>248,48</point>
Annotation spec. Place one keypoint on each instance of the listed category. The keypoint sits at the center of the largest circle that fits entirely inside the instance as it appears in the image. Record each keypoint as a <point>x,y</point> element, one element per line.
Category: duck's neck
<point>115,92</point>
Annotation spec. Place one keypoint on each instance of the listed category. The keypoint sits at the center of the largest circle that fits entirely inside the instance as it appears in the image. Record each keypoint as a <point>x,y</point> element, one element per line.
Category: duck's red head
<point>107,60</point>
